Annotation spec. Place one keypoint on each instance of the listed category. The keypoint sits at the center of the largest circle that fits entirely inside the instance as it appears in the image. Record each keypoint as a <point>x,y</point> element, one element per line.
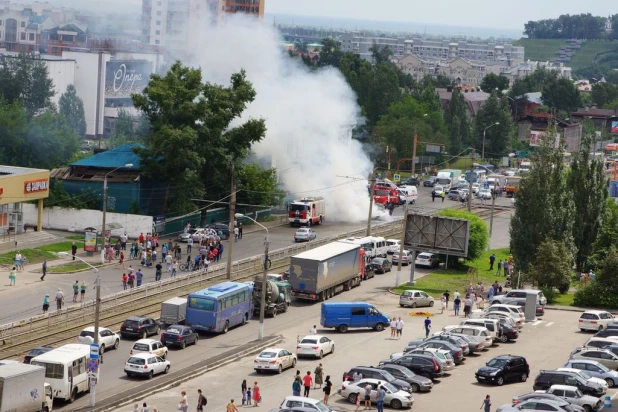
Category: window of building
<point>23,24</point>
<point>22,36</point>
<point>158,32</point>
<point>158,22</point>
<point>54,50</point>
<point>31,36</point>
<point>157,41</point>
<point>0,22</point>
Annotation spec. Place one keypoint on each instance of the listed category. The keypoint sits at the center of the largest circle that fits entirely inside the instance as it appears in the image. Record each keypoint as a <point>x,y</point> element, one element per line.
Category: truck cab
<point>345,315</point>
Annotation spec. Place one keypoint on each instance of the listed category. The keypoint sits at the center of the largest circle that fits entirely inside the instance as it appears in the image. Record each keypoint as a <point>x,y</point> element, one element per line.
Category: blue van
<point>345,315</point>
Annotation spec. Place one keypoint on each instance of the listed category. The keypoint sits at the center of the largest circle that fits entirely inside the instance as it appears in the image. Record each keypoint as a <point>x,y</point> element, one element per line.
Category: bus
<point>219,307</point>
<point>478,175</point>
<point>66,370</point>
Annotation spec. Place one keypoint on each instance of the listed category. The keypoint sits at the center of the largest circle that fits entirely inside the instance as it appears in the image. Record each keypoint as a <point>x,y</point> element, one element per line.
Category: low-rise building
<point>19,185</point>
<point>525,69</point>
<point>473,97</point>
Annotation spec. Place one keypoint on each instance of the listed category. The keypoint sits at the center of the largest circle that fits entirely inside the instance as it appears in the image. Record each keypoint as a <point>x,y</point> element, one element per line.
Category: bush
<point>595,295</point>
<point>564,288</point>
<point>550,294</point>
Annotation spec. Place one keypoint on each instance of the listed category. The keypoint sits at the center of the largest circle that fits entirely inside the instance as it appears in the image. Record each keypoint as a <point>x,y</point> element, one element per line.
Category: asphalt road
<point>546,344</point>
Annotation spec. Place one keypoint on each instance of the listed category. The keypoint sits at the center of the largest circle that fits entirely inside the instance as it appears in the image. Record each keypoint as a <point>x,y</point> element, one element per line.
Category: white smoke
<point>309,115</point>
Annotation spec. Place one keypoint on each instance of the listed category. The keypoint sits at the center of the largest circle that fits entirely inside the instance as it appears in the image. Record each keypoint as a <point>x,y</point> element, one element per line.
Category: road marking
<point>537,322</point>
<point>549,324</point>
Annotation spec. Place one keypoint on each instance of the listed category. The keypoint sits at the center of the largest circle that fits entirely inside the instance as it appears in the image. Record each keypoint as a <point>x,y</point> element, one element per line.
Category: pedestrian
<point>249,396</point>
<point>393,328</point>
<point>457,303</point>
<point>358,402</point>
<point>164,252</point>
<point>313,330</point>
<point>456,295</point>
<point>168,263</point>
<point>486,404</point>
<point>145,407</point>
<point>499,272</point>
<point>327,388</point>
<point>235,234</point>
<point>131,280</point>
<point>368,389</point>
<point>480,302</point>
<point>82,289</point>
<point>73,250</point>
<point>125,279</point>
<point>231,407</point>
<point>240,230</point>
<point>174,267</point>
<point>136,408</point>
<point>75,290</point>
<point>189,244</point>
<point>44,269</point>
<point>492,259</point>
<point>257,397</point>
<point>433,199</point>
<point>202,401</point>
<point>183,405</point>
<point>138,277</point>
<point>442,195</point>
<point>123,241</point>
<point>59,299</point>
<point>45,303</point>
<point>296,387</point>
<point>318,373</point>
<point>442,304</point>
<point>121,259</point>
<point>447,295</point>
<point>490,293</point>
<point>399,328</point>
<point>307,381</point>
<point>357,376</point>
<point>12,276</point>
<point>243,390</point>
<point>380,401</point>
<point>467,306</point>
<point>427,326</point>
<point>158,271</point>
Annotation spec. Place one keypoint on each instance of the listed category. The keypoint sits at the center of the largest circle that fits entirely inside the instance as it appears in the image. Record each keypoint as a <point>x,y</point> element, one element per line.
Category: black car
<point>504,368</point>
<point>456,351</point>
<point>420,364</point>
<point>382,265</point>
<point>139,327</point>
<point>369,372</point>
<point>222,230</point>
<point>546,379</point>
<point>507,333</point>
<point>179,335</point>
<point>370,270</point>
<point>36,352</point>
<point>417,382</point>
<point>606,333</point>
<point>410,181</point>
<point>430,182</point>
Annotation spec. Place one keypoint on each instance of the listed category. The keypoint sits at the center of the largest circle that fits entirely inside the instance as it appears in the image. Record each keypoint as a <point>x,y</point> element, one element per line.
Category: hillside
<point>545,49</point>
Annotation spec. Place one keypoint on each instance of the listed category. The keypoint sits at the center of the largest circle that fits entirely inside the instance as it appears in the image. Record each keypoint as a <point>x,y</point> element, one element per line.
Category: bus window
<point>52,370</point>
<point>203,304</point>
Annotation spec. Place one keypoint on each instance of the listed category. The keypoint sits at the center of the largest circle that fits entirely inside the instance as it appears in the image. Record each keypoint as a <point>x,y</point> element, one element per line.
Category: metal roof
<point>111,159</point>
<point>327,251</point>
<point>7,171</point>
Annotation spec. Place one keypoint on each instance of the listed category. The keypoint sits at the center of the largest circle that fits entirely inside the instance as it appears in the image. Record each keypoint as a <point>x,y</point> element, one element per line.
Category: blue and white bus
<point>219,307</point>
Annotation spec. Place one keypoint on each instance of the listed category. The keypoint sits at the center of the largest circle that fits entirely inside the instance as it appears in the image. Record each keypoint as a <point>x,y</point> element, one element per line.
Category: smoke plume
<point>309,115</point>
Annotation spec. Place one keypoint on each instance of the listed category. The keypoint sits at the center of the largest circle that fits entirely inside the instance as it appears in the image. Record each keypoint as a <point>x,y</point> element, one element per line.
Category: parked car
<point>145,364</point>
<point>479,334</point>
<point>544,396</point>
<point>87,145</point>
<point>184,237</point>
<point>418,383</point>
<point>429,260</point>
<point>304,234</point>
<point>538,404</point>
<point>36,352</point>
<point>154,347</point>
<point>594,369</point>
<point>575,397</point>
<point>394,398</point>
<point>139,326</point>
<point>504,368</point>
<point>603,356</point>
<point>443,356</point>
<point>520,295</point>
<point>410,181</point>
<point>179,335</point>
<point>599,342</point>
<point>492,325</point>
<point>590,379</point>
<point>511,310</point>
<point>473,345</point>
<point>415,298</point>
<point>545,379</point>
<point>382,265</point>
<point>612,348</point>
<point>274,360</point>
<point>369,372</point>
<point>508,330</point>
<point>315,346</point>
<point>540,309</point>
<point>484,194</point>
<point>453,194</point>
<point>305,403</point>
<point>406,258</point>
<point>455,351</point>
<point>107,338</point>
<point>594,320</point>
<point>392,246</point>
<point>420,364</point>
<point>456,341</point>
<point>475,188</point>
<point>430,181</point>
<point>222,230</point>
<point>606,333</point>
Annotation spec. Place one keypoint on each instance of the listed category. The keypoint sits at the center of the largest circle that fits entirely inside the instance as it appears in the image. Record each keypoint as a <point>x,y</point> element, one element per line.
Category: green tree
<point>330,54</point>
<point>71,107</point>
<point>457,122</point>
<point>191,121</point>
<point>123,131</point>
<point>478,235</point>
<point>606,238</point>
<point>604,93</point>
<point>25,78</point>
<point>561,94</point>
<point>552,265</point>
<point>544,207</point>
<point>381,54</point>
<point>607,275</point>
<point>258,186</point>
<point>497,137</point>
<point>492,82</point>
<point>13,129</point>
<point>589,188</point>
<point>50,141</point>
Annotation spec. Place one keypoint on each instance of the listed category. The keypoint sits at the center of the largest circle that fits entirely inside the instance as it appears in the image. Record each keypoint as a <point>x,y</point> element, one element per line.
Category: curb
<point>176,378</point>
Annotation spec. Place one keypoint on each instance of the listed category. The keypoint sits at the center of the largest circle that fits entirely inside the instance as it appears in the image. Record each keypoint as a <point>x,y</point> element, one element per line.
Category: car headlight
<point>477,371</point>
<point>493,374</point>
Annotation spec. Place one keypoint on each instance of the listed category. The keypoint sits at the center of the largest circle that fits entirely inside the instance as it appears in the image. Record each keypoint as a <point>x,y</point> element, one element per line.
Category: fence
<point>18,336</point>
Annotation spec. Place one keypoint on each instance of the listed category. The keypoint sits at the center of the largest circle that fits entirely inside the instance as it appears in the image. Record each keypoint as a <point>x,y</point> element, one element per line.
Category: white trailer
<point>23,389</point>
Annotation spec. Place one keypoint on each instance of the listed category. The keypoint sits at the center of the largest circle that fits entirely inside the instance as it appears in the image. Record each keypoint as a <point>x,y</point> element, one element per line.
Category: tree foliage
<point>497,137</point>
<point>552,265</point>
<point>123,131</point>
<point>59,197</point>
<point>561,94</point>
<point>604,93</point>
<point>492,81</point>
<point>457,122</point>
<point>479,234</point>
<point>607,274</point>
<point>577,26</point>
<point>606,238</point>
<point>258,186</point>
<point>190,121</point>
<point>71,107</point>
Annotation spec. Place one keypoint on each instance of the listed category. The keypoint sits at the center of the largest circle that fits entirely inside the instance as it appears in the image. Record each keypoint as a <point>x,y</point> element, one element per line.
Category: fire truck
<point>385,192</point>
<point>306,211</point>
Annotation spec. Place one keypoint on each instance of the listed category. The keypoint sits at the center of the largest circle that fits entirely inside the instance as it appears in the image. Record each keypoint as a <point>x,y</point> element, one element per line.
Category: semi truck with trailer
<point>448,178</point>
<point>23,388</point>
<point>323,272</point>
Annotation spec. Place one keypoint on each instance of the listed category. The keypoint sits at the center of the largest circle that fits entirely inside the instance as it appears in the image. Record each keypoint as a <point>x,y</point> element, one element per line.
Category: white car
<point>107,338</point>
<point>295,402</point>
<point>511,310</point>
<point>594,320</point>
<point>592,381</point>
<point>394,398</point>
<point>475,188</point>
<point>274,359</point>
<point>315,345</point>
<point>484,194</point>
<point>479,334</point>
<point>154,347</point>
<point>145,364</point>
<point>573,395</point>
<point>438,190</point>
<point>405,260</point>
<point>392,246</point>
<point>304,234</point>
<point>427,259</point>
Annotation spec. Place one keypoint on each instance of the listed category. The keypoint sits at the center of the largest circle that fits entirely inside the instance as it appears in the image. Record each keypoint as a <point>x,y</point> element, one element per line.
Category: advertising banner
<point>615,127</point>
<point>123,78</point>
<point>536,137</point>
<point>90,241</point>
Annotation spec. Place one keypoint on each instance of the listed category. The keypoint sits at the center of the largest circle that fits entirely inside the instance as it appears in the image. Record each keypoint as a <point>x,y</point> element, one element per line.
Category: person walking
<point>393,328</point>
<point>75,290</point>
<point>131,280</point>
<point>12,276</point>
<point>44,269</point>
<point>319,375</point>
<point>307,381</point>
<point>121,259</point>
<point>240,230</point>
<point>235,234</point>
<point>73,250</point>
<point>433,199</point>
<point>174,268</point>
<point>231,407</point>
<point>328,386</point>
<point>427,326</point>
<point>125,279</point>
<point>138,277</point>
<point>442,304</point>
<point>492,259</point>
<point>380,400</point>
<point>447,295</point>
<point>457,304</point>
<point>499,271</point>
<point>59,299</point>
<point>168,263</point>
<point>183,405</point>
<point>243,390</point>
<point>45,303</point>
<point>486,405</point>
<point>313,330</point>
<point>442,195</point>
<point>202,401</point>
<point>257,397</point>
<point>368,389</point>
<point>158,271</point>
<point>296,387</point>
<point>399,328</point>
<point>467,306</point>
<point>189,244</point>
<point>82,290</point>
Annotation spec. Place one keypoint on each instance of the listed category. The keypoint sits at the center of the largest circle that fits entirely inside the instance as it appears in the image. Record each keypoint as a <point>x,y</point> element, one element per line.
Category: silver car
<point>394,398</point>
<point>415,298</point>
<point>538,404</point>
<point>304,234</point>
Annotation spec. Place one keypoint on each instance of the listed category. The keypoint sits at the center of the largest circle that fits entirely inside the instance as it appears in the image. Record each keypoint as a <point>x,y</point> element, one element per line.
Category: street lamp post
<point>264,278</point>
<point>484,131</point>
<point>128,165</point>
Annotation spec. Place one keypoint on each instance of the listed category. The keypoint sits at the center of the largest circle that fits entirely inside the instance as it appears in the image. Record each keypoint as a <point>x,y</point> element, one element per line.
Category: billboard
<point>614,126</point>
<point>613,188</point>
<point>123,78</point>
<point>536,137</point>
<point>437,234</point>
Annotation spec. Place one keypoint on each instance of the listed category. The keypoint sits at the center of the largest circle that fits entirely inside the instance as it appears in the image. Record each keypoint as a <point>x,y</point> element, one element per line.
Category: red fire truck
<point>384,193</point>
<point>306,211</point>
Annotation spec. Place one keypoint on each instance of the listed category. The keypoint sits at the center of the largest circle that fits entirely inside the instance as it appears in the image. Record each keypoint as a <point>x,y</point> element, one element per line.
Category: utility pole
<point>401,244</point>
<point>264,286</point>
<point>231,225</point>
<point>414,151</point>
<point>97,316</point>
<point>372,190</point>
<point>491,219</point>
<point>470,183</point>
<point>103,231</point>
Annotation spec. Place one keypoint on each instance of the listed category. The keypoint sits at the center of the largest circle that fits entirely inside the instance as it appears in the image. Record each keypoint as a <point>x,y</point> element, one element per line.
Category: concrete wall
<point>62,73</point>
<point>77,220</point>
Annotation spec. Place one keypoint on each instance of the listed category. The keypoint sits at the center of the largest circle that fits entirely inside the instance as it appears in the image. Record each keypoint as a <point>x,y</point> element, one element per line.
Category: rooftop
<point>111,159</point>
<point>7,171</point>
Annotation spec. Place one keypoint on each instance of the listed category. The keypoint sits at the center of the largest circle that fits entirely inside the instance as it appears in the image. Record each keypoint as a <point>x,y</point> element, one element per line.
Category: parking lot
<point>545,343</point>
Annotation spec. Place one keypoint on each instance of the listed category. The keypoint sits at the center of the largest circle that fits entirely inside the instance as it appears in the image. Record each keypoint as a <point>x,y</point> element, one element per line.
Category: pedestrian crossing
<point>542,323</point>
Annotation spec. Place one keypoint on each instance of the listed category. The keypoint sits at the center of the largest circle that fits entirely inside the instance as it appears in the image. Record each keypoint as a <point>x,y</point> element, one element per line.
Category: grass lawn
<point>540,49</point>
<point>69,267</point>
<point>33,256</point>
<point>565,300</point>
<point>62,246</point>
<point>585,56</point>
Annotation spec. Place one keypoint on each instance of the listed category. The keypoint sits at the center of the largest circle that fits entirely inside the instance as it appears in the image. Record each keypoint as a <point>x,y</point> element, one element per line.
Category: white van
<point>492,325</point>
<point>392,246</point>
<point>373,246</point>
<point>408,194</point>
